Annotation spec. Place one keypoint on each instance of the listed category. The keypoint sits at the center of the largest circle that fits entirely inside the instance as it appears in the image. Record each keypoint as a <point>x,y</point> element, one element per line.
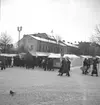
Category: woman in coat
<point>66,67</point>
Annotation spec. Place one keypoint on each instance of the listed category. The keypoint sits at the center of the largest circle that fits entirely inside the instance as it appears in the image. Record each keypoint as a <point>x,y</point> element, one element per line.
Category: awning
<point>86,56</point>
<point>53,55</point>
<point>42,54</point>
<point>39,54</point>
<point>98,57</point>
<point>8,55</point>
<point>70,56</point>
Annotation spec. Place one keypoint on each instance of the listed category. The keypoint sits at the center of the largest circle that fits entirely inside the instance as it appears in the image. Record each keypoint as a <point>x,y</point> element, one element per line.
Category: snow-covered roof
<point>53,55</point>
<point>8,55</point>
<point>39,53</point>
<point>42,54</point>
<point>51,39</point>
<point>46,40</point>
<point>98,56</point>
<point>71,55</point>
<point>86,56</point>
<point>69,44</point>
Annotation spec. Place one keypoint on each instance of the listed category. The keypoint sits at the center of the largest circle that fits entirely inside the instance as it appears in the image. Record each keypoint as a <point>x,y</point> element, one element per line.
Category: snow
<point>86,56</point>
<point>39,53</point>
<point>52,55</point>
<point>46,40</point>
<point>70,56</point>
<point>8,55</point>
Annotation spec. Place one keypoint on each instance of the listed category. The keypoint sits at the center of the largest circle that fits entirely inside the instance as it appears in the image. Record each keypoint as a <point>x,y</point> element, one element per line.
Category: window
<point>31,47</point>
<point>39,47</point>
<point>43,48</point>
<point>46,48</point>
<point>56,49</point>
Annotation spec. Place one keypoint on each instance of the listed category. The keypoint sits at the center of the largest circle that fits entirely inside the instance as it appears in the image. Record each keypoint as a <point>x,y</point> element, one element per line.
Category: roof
<point>46,40</point>
<point>8,55</point>
<point>86,56</point>
<point>50,39</point>
<point>42,35</point>
<point>72,45</point>
<point>53,55</point>
<point>98,56</point>
<point>39,53</point>
<point>71,55</point>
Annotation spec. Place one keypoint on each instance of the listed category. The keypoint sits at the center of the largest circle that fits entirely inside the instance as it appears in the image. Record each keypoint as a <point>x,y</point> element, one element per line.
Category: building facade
<point>41,42</point>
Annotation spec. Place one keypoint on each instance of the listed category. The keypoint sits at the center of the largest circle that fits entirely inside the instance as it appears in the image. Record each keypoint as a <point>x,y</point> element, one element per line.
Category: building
<point>43,43</point>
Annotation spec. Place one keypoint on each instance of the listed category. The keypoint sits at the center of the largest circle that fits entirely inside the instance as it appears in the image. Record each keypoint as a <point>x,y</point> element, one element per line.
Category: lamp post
<point>19,29</point>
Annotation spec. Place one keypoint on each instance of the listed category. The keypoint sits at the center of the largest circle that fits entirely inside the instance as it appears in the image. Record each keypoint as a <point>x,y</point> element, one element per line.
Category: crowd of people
<point>31,62</point>
<point>6,62</point>
<point>90,65</point>
<point>27,61</point>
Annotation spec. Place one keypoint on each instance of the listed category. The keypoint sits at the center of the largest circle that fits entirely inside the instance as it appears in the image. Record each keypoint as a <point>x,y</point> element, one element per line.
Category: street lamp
<point>19,29</point>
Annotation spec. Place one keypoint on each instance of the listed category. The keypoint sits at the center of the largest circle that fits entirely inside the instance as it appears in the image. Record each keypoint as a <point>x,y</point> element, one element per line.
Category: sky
<point>73,20</point>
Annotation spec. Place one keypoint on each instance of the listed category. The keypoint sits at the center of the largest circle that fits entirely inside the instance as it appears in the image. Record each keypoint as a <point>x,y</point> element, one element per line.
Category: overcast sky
<point>73,20</point>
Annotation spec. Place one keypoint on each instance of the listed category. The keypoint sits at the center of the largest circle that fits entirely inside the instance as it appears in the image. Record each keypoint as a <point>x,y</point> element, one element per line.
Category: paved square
<point>38,87</point>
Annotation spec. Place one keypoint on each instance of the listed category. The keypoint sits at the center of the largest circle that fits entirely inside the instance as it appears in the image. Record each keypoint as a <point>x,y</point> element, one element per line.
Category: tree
<point>96,36</point>
<point>5,42</point>
<point>95,41</point>
<point>58,38</point>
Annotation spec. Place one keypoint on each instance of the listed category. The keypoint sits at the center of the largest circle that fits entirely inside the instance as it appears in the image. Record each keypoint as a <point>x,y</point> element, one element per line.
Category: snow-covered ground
<point>38,87</point>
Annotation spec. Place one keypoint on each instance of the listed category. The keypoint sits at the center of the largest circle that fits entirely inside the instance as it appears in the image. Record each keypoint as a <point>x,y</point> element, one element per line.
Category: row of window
<point>50,48</point>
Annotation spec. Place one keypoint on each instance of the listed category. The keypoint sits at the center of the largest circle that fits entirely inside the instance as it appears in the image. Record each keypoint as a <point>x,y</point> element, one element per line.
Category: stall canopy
<point>42,54</point>
<point>85,56</point>
<point>8,55</point>
<point>98,57</point>
<point>71,56</point>
<point>53,55</point>
<point>39,54</point>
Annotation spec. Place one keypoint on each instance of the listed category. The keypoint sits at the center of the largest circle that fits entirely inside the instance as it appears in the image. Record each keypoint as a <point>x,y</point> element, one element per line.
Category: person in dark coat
<point>61,68</point>
<point>9,62</point>
<point>50,63</point>
<point>68,67</point>
<point>65,67</point>
<point>44,62</point>
<point>29,61</point>
<point>3,64</point>
<point>95,71</point>
<point>85,65</point>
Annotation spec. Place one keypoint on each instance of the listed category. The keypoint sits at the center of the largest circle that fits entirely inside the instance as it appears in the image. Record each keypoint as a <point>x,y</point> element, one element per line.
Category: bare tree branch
<point>96,36</point>
<point>97,29</point>
<point>5,39</point>
<point>58,38</point>
<point>5,42</point>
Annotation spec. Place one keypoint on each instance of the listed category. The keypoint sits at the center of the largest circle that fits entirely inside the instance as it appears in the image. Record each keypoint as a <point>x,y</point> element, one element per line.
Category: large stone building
<point>42,43</point>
